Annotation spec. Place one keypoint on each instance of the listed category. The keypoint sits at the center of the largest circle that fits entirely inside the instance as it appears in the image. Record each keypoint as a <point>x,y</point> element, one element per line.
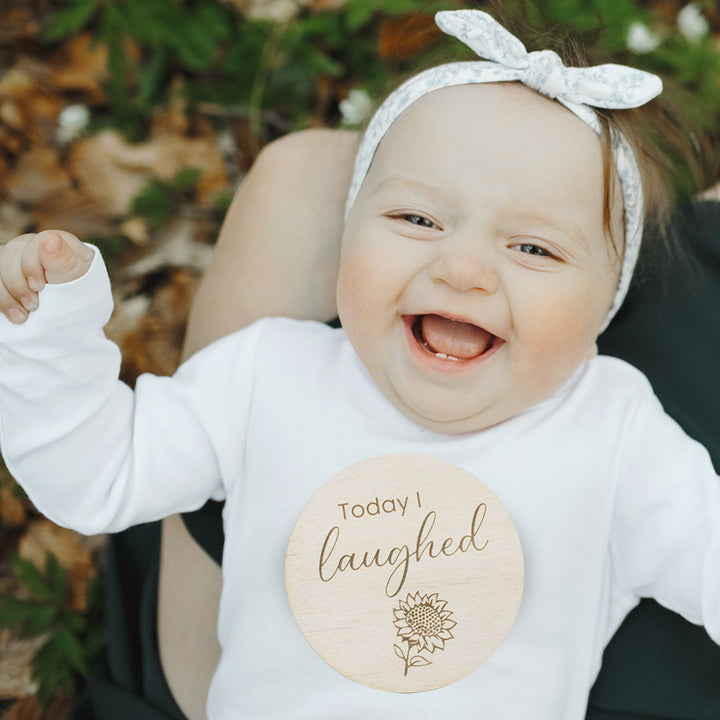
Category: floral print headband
<point>578,89</point>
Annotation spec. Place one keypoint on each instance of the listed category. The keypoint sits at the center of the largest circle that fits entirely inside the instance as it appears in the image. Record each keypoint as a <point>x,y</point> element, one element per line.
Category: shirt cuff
<point>86,301</point>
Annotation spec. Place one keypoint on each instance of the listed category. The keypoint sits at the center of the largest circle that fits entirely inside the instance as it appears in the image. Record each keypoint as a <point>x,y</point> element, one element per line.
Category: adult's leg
<point>277,254</point>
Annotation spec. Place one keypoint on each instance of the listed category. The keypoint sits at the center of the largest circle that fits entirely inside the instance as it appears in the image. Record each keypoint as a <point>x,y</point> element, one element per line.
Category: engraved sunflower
<point>424,624</point>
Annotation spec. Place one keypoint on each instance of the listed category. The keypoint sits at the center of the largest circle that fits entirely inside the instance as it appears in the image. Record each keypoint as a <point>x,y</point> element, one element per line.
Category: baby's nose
<point>464,266</point>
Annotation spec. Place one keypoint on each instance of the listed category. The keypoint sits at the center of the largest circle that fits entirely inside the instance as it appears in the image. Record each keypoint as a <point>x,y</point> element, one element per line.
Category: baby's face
<point>475,271</point>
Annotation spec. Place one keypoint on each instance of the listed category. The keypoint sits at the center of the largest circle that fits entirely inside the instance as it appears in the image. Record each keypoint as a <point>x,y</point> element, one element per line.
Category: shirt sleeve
<point>91,453</point>
<point>666,535</point>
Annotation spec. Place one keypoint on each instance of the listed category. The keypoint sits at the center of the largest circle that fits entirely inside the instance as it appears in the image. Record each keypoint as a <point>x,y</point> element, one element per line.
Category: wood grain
<point>404,572</point>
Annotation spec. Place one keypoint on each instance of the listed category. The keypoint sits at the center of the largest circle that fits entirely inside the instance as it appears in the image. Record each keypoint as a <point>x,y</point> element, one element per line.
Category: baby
<point>485,249</point>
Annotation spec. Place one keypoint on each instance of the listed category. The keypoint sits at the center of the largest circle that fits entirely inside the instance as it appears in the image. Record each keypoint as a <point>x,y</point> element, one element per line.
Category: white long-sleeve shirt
<point>611,500</point>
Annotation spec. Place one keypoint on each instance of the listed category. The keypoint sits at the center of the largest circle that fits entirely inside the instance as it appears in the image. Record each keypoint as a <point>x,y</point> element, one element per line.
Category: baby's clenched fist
<point>29,262</point>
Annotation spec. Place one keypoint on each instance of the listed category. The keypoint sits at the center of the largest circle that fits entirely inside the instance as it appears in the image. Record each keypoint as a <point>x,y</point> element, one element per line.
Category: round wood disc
<point>404,572</point>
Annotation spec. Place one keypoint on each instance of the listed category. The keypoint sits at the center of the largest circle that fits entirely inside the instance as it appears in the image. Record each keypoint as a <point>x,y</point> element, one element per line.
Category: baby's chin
<point>444,417</point>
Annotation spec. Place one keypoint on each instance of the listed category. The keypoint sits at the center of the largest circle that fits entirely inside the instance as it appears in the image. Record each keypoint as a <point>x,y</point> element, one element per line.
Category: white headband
<point>578,89</point>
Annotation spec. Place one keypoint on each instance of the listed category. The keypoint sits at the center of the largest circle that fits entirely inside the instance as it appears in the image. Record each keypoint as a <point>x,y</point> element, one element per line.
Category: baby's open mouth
<point>451,339</point>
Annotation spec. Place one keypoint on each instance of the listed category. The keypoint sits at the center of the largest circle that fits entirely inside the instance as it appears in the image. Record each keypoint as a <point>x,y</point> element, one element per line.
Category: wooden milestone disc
<point>404,572</point>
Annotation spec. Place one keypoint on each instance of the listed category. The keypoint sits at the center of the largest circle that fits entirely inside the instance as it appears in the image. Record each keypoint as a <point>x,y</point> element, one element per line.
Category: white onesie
<point>611,500</point>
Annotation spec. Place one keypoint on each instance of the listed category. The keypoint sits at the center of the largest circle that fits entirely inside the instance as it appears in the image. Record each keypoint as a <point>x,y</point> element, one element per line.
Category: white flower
<point>72,120</point>
<point>356,107</point>
<point>641,38</point>
<point>691,22</point>
<point>277,10</point>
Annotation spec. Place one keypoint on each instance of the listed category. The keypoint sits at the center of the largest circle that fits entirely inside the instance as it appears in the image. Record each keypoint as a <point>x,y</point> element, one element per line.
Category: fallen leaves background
<point>54,174</point>
<point>117,145</point>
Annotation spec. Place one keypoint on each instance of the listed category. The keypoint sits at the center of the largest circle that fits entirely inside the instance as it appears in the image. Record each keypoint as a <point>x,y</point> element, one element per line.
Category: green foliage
<point>159,200</point>
<point>72,640</point>
<point>188,37</point>
<point>225,58</point>
<point>259,66</point>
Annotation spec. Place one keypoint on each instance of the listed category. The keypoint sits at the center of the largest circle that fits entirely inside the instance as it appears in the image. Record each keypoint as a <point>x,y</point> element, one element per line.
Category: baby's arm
<point>666,538</point>
<point>89,452</point>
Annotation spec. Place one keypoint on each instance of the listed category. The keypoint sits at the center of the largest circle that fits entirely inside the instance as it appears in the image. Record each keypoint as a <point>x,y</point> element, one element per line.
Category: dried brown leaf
<point>13,512</point>
<point>18,23</point>
<point>10,141</point>
<point>172,118</point>
<point>71,550</point>
<point>136,230</point>
<point>16,655</point>
<point>81,66</point>
<point>71,210</point>
<point>156,345</point>
<point>11,114</point>
<point>58,709</point>
<point>175,247</point>
<point>18,82</point>
<point>13,221</point>
<point>27,106</point>
<point>37,176</point>
<point>127,315</point>
<point>112,171</point>
<point>29,709</point>
<point>405,36</point>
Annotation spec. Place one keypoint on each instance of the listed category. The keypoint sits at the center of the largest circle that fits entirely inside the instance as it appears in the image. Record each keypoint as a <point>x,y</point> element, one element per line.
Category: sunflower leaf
<point>419,661</point>
<point>399,652</point>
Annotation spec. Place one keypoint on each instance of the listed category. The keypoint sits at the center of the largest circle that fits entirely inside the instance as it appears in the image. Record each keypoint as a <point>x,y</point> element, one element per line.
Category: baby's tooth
<point>443,356</point>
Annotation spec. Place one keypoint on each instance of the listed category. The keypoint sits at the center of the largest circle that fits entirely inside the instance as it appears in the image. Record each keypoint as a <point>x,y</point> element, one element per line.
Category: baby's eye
<point>532,249</point>
<point>418,220</point>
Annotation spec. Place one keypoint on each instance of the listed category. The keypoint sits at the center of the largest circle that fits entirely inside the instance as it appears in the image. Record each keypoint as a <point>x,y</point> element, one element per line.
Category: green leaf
<point>29,620</point>
<point>70,20</point>
<point>196,49</point>
<point>32,579</point>
<point>155,203</point>
<point>358,14</point>
<point>72,651</point>
<point>75,622</point>
<point>96,596</point>
<point>56,576</point>
<point>42,620</point>
<point>94,642</point>
<point>111,32</point>
<point>14,611</point>
<point>399,7</point>
<point>317,62</point>
<point>214,21</point>
<point>51,668</point>
<point>143,21</point>
<point>222,199</point>
<point>186,179</point>
<point>151,78</point>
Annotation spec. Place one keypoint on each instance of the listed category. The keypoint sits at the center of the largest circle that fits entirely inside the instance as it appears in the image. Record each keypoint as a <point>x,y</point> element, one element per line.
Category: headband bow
<point>603,86</point>
<point>578,89</point>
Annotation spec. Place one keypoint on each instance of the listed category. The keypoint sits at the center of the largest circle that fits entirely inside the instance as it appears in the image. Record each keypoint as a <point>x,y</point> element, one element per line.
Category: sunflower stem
<point>407,658</point>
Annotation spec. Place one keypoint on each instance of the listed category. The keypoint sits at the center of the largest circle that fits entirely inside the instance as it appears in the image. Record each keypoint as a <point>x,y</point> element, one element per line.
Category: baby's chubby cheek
<point>560,343</point>
<point>359,287</point>
<point>351,300</point>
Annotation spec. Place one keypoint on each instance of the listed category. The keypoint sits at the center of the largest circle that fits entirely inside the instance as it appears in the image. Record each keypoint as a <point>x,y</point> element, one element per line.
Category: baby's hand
<point>28,262</point>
